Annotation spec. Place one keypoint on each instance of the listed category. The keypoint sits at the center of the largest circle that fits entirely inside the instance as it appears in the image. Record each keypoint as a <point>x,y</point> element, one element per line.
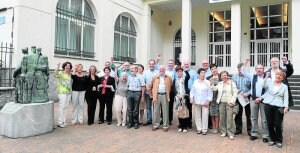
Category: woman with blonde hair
<point>91,93</point>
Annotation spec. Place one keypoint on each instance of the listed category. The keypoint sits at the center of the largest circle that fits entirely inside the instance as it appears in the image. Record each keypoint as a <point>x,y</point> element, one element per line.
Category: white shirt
<point>161,86</point>
<point>201,92</point>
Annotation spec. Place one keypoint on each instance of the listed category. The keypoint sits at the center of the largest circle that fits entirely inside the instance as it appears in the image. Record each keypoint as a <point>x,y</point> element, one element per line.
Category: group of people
<point>217,98</point>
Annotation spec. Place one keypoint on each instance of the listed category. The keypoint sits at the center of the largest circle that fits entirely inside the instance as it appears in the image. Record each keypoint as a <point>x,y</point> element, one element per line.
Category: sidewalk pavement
<point>110,138</point>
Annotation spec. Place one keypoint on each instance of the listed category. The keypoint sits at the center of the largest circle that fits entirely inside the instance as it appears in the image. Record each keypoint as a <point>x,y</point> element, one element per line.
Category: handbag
<point>182,110</point>
<point>235,109</point>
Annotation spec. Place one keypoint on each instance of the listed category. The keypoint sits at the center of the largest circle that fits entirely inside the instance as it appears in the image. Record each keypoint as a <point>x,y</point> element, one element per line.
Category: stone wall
<point>7,94</point>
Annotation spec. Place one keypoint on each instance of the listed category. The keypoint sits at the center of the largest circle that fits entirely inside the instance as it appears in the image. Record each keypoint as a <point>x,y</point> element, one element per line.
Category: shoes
<point>170,123</point>
<point>141,123</point>
<point>65,124</point>
<point>249,133</point>
<point>271,143</point>
<point>154,128</point>
<point>279,144</point>
<point>161,122</point>
<point>118,124</point>
<point>136,126</point>
<point>265,140</point>
<point>146,124</point>
<point>165,129</point>
<point>190,126</point>
<point>237,133</point>
<point>89,124</point>
<point>199,132</point>
<point>204,133</point>
<point>100,122</point>
<point>179,130</point>
<point>214,131</point>
<point>123,124</point>
<point>252,138</point>
<point>81,123</point>
<point>108,123</point>
<point>231,137</point>
<point>129,126</point>
<point>61,125</point>
<point>184,130</point>
<point>73,123</point>
<point>223,135</point>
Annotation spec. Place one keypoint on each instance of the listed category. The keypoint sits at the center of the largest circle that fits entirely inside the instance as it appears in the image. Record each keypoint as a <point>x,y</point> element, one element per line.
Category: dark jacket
<point>289,72</point>
<point>110,81</point>
<point>186,82</point>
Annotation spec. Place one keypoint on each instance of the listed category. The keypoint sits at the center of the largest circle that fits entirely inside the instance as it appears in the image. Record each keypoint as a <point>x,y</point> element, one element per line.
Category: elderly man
<point>148,75</point>
<point>159,90</point>
<point>205,66</point>
<point>289,70</point>
<point>243,84</point>
<point>135,94</point>
<point>126,68</point>
<point>256,91</point>
<point>172,73</point>
<point>193,77</point>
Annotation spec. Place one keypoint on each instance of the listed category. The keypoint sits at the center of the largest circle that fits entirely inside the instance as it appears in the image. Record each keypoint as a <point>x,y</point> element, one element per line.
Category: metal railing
<point>6,51</point>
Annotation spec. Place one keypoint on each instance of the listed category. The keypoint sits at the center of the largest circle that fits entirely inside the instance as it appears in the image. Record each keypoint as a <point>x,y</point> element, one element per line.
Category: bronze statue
<point>31,77</point>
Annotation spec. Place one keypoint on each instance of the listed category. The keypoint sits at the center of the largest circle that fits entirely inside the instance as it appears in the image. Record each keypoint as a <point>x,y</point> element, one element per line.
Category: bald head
<point>275,62</point>
<point>205,64</point>
<point>162,70</point>
<point>186,63</point>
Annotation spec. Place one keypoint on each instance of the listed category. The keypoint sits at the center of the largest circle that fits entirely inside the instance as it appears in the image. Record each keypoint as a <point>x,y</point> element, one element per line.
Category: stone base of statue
<point>25,120</point>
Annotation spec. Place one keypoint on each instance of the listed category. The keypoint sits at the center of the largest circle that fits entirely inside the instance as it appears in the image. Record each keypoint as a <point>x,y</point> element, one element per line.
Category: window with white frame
<point>219,50</point>
<point>74,29</point>
<point>125,39</point>
<point>269,33</point>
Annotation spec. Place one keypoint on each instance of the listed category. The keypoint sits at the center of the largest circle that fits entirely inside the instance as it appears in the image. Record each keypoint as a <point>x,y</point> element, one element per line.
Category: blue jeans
<point>148,101</point>
<point>133,102</point>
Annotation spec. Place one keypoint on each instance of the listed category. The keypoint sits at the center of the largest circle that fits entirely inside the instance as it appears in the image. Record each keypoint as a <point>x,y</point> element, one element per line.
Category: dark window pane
<point>261,22</point>
<point>276,33</point>
<point>211,17</point>
<point>275,21</point>
<point>228,15</point>
<point>228,25</point>
<point>219,16</point>
<point>285,20</point>
<point>261,11</point>
<point>211,27</point>
<point>252,11</point>
<point>252,23</point>
<point>252,35</point>
<point>262,34</point>
<point>211,37</point>
<point>285,32</point>
<point>219,37</point>
<point>275,9</point>
<point>228,36</point>
<point>219,26</point>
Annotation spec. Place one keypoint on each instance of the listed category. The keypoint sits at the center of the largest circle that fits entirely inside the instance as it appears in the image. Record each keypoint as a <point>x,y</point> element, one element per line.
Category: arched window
<point>178,44</point>
<point>125,39</point>
<point>75,29</point>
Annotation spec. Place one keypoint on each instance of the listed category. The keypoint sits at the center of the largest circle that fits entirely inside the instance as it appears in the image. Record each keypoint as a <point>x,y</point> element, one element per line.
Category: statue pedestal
<point>24,120</point>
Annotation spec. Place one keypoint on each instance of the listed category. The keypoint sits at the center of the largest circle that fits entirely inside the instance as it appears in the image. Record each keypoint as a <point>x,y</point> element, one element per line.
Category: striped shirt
<point>135,82</point>
<point>243,83</point>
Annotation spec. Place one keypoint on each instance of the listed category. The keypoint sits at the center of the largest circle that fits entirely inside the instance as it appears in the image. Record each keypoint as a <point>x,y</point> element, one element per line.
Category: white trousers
<point>120,105</point>
<point>64,100</point>
<point>78,101</point>
<point>201,117</point>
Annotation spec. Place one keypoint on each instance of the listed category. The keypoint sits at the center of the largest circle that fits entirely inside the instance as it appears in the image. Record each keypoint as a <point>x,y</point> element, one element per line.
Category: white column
<point>295,34</point>
<point>236,38</point>
<point>186,29</point>
<point>145,53</point>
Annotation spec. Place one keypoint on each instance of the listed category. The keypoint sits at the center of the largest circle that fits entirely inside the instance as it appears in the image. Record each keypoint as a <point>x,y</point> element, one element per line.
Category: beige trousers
<point>201,117</point>
<point>120,105</point>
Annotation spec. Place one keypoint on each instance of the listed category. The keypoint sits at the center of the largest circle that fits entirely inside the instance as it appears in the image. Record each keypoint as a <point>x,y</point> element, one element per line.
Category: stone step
<point>294,83</point>
<point>294,76</point>
<point>294,79</point>
<point>296,107</point>
<point>295,88</point>
<point>296,96</point>
<point>295,92</point>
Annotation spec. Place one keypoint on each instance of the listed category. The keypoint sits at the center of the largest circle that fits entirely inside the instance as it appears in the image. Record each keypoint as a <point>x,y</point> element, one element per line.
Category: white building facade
<point>91,31</point>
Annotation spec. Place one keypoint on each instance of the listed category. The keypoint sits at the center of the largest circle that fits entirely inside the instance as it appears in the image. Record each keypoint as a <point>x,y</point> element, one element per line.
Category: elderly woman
<point>78,93</point>
<point>91,93</point>
<point>276,101</point>
<point>227,94</point>
<point>120,102</point>
<point>106,94</point>
<point>64,88</point>
<point>180,88</point>
<point>201,96</point>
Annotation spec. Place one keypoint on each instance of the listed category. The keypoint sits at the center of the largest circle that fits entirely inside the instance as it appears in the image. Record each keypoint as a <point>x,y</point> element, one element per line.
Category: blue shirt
<point>171,73</point>
<point>135,82</point>
<point>242,82</point>
<point>258,85</point>
<point>208,73</point>
<point>193,77</point>
<point>148,75</point>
